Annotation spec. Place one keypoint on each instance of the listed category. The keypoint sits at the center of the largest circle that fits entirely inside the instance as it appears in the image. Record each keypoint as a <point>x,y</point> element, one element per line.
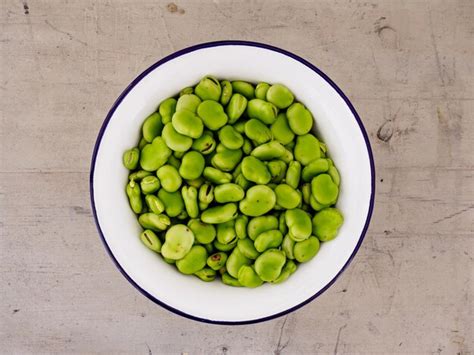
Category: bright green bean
<point>259,200</point>
<point>131,158</point>
<point>152,127</point>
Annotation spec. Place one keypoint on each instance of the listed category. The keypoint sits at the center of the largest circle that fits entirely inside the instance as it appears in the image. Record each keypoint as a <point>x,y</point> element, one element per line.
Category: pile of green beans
<point>228,180</point>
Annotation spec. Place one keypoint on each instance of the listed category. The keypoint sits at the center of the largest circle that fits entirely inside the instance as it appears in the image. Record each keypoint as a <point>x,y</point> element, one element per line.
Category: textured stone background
<point>406,65</point>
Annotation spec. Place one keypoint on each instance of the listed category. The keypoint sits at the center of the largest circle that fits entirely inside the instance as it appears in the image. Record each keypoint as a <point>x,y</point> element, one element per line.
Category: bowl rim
<point>218,44</point>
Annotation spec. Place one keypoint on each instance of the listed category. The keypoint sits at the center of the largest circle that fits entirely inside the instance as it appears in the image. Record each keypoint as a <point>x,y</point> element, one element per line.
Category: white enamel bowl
<point>336,122</point>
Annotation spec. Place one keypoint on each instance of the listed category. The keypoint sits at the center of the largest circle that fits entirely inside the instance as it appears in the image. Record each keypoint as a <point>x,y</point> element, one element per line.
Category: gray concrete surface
<point>406,65</point>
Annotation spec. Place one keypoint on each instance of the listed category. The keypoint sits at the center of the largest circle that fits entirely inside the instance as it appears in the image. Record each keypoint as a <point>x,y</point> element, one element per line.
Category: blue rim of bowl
<point>218,44</point>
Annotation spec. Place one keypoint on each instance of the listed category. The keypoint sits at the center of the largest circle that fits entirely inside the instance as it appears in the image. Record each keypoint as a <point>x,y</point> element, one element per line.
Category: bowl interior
<point>335,125</point>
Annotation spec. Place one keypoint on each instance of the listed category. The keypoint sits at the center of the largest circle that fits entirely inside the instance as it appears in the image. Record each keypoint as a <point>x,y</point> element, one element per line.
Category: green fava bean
<point>293,174</point>
<point>261,91</point>
<point>247,248</point>
<point>269,151</point>
<point>208,88</point>
<point>220,214</point>
<point>205,144</point>
<point>227,160</point>
<point>138,175</point>
<point>261,224</point>
<point>307,149</point>
<point>277,170</point>
<point>257,131</point>
<point>255,170</point>
<point>188,102</point>
<point>154,155</point>
<point>179,240</point>
<point>212,114</point>
<point>131,158</point>
<point>306,250</point>
<point>166,109</point>
<point>326,224</point>
<point>280,96</point>
<point>217,260</point>
<point>324,190</point>
<point>230,138</point>
<point>228,193</point>
<point>299,119</point>
<point>315,167</point>
<point>235,261</point>
<point>206,274</point>
<point>262,110</point>
<point>203,232</point>
<point>187,123</point>
<point>193,261</point>
<point>241,226</point>
<point>216,176</point>
<point>281,130</point>
<point>192,165</point>
<point>289,268</point>
<point>154,204</point>
<point>224,247</point>
<point>206,193</point>
<point>190,194</point>
<point>197,183</point>
<point>287,157</point>
<point>248,277</point>
<point>282,227</point>
<point>174,140</point>
<point>267,240</point>
<point>306,191</point>
<point>259,200</point>
<point>226,92</point>
<point>149,184</point>
<point>226,232</point>
<point>186,91</point>
<point>156,222</point>
<point>288,246</point>
<point>173,201</point>
<point>230,281</point>
<point>244,88</point>
<point>247,147</point>
<point>134,196</point>
<point>151,240</point>
<point>142,143</point>
<point>334,174</point>
<point>299,224</point>
<point>236,107</point>
<point>269,264</point>
<point>152,127</point>
<point>287,197</point>
<point>237,171</point>
<point>169,177</point>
